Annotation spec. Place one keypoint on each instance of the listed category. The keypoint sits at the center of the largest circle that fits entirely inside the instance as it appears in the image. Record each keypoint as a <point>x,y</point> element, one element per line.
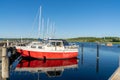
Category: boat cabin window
<point>40,47</point>
<point>58,44</point>
<point>33,46</point>
<point>65,43</point>
<point>36,43</point>
<point>53,43</point>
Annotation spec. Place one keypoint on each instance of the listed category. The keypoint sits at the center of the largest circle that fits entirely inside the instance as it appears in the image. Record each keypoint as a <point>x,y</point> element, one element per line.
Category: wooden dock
<point>0,63</point>
<point>115,75</point>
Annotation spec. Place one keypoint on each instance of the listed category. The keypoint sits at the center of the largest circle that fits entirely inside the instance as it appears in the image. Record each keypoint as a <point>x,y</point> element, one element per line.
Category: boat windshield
<point>56,43</point>
<point>36,43</point>
<point>65,43</point>
<point>53,43</point>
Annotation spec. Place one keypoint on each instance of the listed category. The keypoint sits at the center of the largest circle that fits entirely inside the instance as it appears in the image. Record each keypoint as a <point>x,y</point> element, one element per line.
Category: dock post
<point>5,64</point>
<point>82,45</point>
<point>97,51</point>
<point>7,43</point>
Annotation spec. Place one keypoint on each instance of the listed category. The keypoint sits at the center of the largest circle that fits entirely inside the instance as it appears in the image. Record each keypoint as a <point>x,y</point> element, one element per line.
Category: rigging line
<point>33,25</point>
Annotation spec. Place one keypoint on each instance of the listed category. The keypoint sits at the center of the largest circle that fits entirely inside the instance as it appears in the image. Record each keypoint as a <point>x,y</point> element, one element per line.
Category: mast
<point>52,29</point>
<point>47,28</point>
<point>51,26</point>
<point>42,27</point>
<point>39,26</point>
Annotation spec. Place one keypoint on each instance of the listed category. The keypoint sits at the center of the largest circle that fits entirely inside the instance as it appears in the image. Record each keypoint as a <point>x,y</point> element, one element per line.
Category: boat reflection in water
<point>53,68</point>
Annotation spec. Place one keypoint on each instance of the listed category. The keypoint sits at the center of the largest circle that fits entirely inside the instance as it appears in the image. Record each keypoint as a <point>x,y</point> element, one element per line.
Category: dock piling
<point>7,43</point>
<point>82,45</point>
<point>97,51</point>
<point>5,64</point>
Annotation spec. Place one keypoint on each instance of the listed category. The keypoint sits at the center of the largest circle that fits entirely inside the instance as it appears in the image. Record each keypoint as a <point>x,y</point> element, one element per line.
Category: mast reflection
<point>82,45</point>
<point>97,59</point>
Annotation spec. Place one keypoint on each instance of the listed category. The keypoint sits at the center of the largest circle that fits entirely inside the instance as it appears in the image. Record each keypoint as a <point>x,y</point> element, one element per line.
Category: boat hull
<point>48,55</point>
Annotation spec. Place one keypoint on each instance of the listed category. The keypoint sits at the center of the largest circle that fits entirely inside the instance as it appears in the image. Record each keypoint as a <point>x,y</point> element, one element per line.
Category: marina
<point>60,40</point>
<point>97,62</point>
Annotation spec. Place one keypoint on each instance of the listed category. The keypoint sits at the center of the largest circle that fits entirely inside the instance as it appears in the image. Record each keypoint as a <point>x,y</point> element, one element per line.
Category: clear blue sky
<point>73,18</point>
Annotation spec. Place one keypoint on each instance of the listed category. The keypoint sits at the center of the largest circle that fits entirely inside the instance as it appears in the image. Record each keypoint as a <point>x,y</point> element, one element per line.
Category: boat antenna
<point>39,22</point>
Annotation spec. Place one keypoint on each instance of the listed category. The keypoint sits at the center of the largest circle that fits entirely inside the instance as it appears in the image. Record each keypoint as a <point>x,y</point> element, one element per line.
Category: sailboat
<point>49,49</point>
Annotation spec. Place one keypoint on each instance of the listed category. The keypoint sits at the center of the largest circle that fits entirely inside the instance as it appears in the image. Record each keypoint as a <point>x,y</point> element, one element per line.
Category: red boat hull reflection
<point>46,63</point>
<point>53,68</point>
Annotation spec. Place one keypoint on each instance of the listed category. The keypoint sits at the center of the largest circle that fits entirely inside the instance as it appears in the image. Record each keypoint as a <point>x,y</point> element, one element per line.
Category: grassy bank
<point>114,40</point>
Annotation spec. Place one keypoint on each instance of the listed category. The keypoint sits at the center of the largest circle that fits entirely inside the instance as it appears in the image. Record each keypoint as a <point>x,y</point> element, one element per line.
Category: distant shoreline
<point>114,40</point>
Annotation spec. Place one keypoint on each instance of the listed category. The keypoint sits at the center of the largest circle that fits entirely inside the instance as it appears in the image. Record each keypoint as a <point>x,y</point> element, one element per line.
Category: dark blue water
<point>86,67</point>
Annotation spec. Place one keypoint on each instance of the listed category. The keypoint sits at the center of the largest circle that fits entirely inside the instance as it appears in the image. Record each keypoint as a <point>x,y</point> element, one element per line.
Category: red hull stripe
<point>48,55</point>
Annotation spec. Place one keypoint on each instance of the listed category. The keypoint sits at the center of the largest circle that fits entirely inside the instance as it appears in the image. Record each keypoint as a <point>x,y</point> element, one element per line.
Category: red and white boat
<point>49,49</point>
